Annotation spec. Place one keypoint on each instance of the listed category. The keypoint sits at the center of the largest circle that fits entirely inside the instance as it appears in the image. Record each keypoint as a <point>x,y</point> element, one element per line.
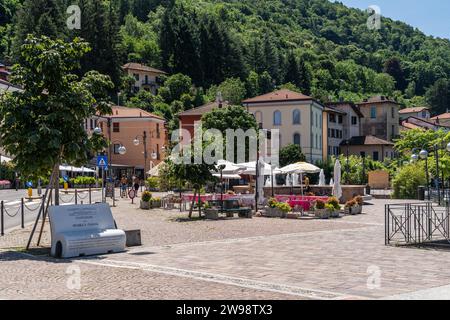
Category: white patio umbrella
<point>301,168</point>
<point>265,169</point>
<point>322,181</point>
<point>230,167</point>
<point>154,172</point>
<point>337,189</point>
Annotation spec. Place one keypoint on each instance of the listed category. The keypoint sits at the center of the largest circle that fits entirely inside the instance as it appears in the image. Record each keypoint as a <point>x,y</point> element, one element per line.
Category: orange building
<point>132,128</point>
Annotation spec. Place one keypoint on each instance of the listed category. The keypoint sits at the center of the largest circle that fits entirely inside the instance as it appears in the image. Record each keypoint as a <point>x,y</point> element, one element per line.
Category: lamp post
<point>423,155</point>
<point>137,143</point>
<point>347,169</point>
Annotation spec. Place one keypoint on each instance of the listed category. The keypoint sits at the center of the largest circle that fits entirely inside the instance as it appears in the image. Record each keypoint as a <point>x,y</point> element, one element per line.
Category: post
<point>363,169</point>
<point>428,178</point>
<point>76,196</point>
<point>22,206</point>
<point>436,155</point>
<point>2,218</point>
<point>145,156</point>
<point>348,162</point>
<point>221,190</point>
<point>257,181</point>
<point>90,195</point>
<point>273,191</point>
<point>56,186</point>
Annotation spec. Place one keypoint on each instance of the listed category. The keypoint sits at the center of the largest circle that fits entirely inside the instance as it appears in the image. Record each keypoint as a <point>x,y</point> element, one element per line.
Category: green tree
<point>291,154</point>
<point>175,87</point>
<point>233,90</point>
<point>394,68</point>
<point>438,96</point>
<point>407,181</point>
<point>42,126</point>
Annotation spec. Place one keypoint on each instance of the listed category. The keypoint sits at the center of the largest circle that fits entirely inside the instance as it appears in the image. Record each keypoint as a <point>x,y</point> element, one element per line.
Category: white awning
<point>228,176</point>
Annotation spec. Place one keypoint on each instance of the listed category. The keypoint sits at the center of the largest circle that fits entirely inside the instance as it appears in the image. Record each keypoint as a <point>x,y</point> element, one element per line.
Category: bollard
<point>22,205</point>
<point>76,196</point>
<point>90,195</point>
<point>2,218</point>
<point>30,192</point>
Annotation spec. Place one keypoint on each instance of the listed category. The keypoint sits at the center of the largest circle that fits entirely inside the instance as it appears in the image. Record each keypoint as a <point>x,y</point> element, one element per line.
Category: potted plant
<point>321,211</point>
<point>351,207</point>
<point>272,209</point>
<point>145,200</point>
<point>283,208</point>
<point>334,207</point>
<point>360,201</point>
<point>210,212</point>
<point>155,203</point>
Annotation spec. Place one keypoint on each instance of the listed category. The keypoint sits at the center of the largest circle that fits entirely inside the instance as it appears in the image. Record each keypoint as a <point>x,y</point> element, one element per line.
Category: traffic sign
<point>102,161</point>
<point>66,179</point>
<point>30,184</point>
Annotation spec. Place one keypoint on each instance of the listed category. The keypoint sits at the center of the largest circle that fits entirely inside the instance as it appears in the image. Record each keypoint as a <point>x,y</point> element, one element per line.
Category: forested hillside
<point>244,47</point>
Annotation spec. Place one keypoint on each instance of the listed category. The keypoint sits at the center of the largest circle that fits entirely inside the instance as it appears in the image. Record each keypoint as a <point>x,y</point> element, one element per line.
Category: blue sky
<point>431,16</point>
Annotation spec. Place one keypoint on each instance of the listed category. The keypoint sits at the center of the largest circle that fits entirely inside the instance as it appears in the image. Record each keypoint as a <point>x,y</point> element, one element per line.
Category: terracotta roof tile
<point>279,96</point>
<point>141,67</point>
<point>442,116</point>
<point>367,140</point>
<point>125,112</point>
<point>199,111</point>
<point>413,110</point>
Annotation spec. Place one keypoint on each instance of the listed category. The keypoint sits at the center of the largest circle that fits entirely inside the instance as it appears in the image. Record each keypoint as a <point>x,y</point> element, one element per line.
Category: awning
<point>228,176</point>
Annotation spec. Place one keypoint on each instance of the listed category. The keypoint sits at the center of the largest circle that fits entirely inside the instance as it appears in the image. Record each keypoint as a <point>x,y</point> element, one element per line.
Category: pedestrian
<point>136,185</point>
<point>123,187</point>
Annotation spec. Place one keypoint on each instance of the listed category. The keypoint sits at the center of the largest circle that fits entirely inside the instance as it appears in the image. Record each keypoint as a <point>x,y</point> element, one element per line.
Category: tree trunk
<point>191,209</point>
<point>199,204</point>
<point>56,184</point>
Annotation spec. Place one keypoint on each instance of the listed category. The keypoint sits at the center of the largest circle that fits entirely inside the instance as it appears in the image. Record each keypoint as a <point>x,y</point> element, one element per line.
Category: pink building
<point>124,128</point>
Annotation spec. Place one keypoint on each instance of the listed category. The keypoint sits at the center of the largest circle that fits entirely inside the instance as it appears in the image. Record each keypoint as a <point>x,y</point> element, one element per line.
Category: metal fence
<point>28,207</point>
<point>416,223</point>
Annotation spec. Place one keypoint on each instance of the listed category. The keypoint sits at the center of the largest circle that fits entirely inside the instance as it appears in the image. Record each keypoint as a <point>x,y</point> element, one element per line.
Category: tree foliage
<point>43,124</point>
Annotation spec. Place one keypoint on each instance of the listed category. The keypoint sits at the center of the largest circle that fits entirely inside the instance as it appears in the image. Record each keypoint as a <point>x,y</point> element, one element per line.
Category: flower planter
<point>211,214</point>
<point>155,204</point>
<point>357,209</point>
<point>335,214</point>
<point>145,205</point>
<point>292,216</point>
<point>322,213</point>
<point>274,213</point>
<point>353,210</point>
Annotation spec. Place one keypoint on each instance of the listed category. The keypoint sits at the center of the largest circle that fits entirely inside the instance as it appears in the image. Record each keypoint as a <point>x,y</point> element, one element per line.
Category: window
<point>354,121</point>
<point>376,156</point>
<point>340,119</point>
<point>146,79</point>
<point>373,112</point>
<point>363,154</point>
<point>333,118</point>
<point>116,127</point>
<point>136,76</point>
<point>393,131</point>
<point>424,115</point>
<point>333,133</point>
<point>296,116</point>
<point>393,112</point>
<point>329,133</point>
<point>297,139</point>
<point>158,132</point>
<point>277,118</point>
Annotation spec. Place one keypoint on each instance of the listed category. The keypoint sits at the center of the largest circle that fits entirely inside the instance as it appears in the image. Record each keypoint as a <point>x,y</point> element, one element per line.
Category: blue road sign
<point>102,161</point>
<point>30,184</point>
<point>66,179</point>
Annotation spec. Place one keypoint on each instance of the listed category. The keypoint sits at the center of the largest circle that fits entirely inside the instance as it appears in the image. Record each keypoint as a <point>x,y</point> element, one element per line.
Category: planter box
<point>211,214</point>
<point>292,216</point>
<point>353,210</point>
<point>322,213</point>
<point>335,214</point>
<point>155,204</point>
<point>357,209</point>
<point>145,205</point>
<point>274,213</point>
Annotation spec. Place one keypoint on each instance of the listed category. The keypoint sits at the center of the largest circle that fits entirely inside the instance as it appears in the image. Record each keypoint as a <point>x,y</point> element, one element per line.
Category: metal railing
<point>27,207</point>
<point>416,223</point>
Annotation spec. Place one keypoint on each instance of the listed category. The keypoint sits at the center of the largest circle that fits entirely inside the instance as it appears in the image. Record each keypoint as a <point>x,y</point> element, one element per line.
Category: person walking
<point>137,185</point>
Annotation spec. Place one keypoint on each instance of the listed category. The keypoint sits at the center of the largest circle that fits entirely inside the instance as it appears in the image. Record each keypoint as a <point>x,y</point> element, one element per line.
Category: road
<point>12,200</point>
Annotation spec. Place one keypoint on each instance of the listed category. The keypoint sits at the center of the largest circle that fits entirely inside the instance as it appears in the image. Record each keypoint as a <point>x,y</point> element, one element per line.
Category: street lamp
<point>98,131</point>
<point>137,142</point>
<point>347,169</point>
<point>423,154</point>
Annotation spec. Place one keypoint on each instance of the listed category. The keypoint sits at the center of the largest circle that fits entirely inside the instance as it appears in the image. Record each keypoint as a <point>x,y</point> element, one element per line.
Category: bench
<point>84,230</point>
<point>231,207</point>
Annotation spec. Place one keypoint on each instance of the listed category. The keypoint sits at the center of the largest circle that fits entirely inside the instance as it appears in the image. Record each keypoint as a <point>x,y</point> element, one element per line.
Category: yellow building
<point>298,117</point>
<point>147,78</point>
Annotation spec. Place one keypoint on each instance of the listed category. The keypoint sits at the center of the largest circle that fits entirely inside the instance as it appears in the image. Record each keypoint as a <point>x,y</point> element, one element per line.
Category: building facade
<point>369,146</point>
<point>146,78</point>
<point>416,112</point>
<point>299,119</point>
<point>333,131</point>
<point>381,118</point>
<point>122,128</point>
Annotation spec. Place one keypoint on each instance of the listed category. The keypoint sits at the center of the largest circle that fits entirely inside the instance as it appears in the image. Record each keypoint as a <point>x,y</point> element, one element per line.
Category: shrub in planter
<point>284,208</point>
<point>321,211</point>
<point>145,200</point>
<point>210,212</point>
<point>351,207</point>
<point>277,209</point>
<point>155,203</point>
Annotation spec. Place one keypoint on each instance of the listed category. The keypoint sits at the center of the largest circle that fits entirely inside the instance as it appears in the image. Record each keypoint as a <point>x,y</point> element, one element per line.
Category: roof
<point>141,67</point>
<point>279,96</point>
<point>378,99</point>
<point>125,112</point>
<point>413,110</point>
<point>367,141</point>
<point>331,109</point>
<point>442,116</point>
<point>411,126</point>
<point>199,111</point>
<point>351,104</point>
